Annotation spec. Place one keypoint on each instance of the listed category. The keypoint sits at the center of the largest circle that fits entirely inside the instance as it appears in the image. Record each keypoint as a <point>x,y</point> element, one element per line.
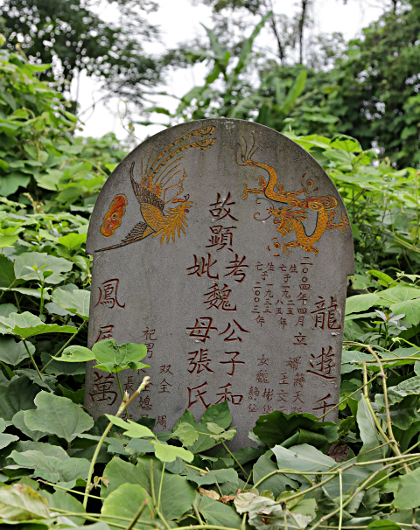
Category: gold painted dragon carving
<point>285,219</point>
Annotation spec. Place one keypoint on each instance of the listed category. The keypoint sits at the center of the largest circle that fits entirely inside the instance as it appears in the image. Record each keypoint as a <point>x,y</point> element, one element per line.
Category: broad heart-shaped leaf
<point>360,302</point>
<point>218,414</point>
<point>276,483</point>
<point>20,502</point>
<point>112,357</point>
<point>18,421</point>
<point>71,241</point>
<point>410,308</point>
<point>217,513</point>
<point>278,428</point>
<point>125,502</point>
<point>18,395</point>
<point>177,493</point>
<point>62,472</point>
<point>397,393</point>
<point>58,415</point>
<point>399,293</point>
<point>302,458</point>
<point>44,262</point>
<point>169,453</point>
<point>12,352</point>
<point>64,501</point>
<point>5,439</point>
<point>407,495</point>
<point>28,325</point>
<point>76,354</point>
<point>76,301</point>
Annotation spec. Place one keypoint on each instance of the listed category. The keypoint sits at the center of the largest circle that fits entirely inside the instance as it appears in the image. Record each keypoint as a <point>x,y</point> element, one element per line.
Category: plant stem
<point>63,348</point>
<point>121,409</point>
<point>161,484</point>
<point>234,458</point>
<point>138,514</point>
<point>32,359</point>
<point>121,392</point>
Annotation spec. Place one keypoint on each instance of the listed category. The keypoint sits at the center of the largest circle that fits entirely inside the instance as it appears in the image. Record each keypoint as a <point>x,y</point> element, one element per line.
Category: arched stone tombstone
<point>225,248</point>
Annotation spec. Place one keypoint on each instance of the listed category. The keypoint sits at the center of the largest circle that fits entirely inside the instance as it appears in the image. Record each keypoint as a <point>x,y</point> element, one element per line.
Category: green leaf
<point>58,415</point>
<point>247,45</point>
<point>28,325</point>
<point>125,502</point>
<point>278,428</point>
<point>19,502</point>
<point>132,429</point>
<point>63,472</point>
<point>187,433</point>
<point>76,301</point>
<point>44,262</point>
<point>12,352</point>
<point>218,414</point>
<point>18,395</point>
<point>407,495</point>
<point>112,357</point>
<point>360,302</point>
<point>5,439</point>
<point>383,524</point>
<point>410,308</point>
<point>399,293</point>
<point>71,241</point>
<point>7,273</point>
<point>369,434</point>
<point>218,476</point>
<point>18,421</point>
<point>276,483</point>
<point>177,493</point>
<point>169,453</point>
<point>64,501</point>
<point>76,354</point>
<point>8,241</point>
<point>406,388</point>
<point>217,513</point>
<point>303,458</point>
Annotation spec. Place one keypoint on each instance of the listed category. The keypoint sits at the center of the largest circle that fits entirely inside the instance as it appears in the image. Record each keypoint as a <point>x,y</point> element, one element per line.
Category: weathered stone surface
<point>225,248</point>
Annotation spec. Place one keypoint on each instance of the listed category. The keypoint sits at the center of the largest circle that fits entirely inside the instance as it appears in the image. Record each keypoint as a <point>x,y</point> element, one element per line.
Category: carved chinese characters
<point>224,248</point>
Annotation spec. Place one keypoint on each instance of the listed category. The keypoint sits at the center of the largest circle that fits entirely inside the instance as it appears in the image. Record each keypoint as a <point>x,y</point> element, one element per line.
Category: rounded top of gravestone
<point>159,173</point>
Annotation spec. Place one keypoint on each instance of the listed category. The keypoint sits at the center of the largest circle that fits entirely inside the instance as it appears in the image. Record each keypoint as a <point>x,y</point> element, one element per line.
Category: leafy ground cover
<point>299,471</point>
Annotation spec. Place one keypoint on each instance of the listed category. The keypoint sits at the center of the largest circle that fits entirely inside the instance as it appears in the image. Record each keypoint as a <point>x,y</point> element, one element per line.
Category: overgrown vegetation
<point>300,471</point>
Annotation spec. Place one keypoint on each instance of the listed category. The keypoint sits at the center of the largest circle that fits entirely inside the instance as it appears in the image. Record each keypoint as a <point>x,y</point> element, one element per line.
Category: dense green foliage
<point>60,468</point>
<point>73,37</point>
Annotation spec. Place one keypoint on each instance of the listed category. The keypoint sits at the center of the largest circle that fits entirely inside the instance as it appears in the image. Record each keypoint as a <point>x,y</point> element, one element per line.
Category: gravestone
<point>225,248</point>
